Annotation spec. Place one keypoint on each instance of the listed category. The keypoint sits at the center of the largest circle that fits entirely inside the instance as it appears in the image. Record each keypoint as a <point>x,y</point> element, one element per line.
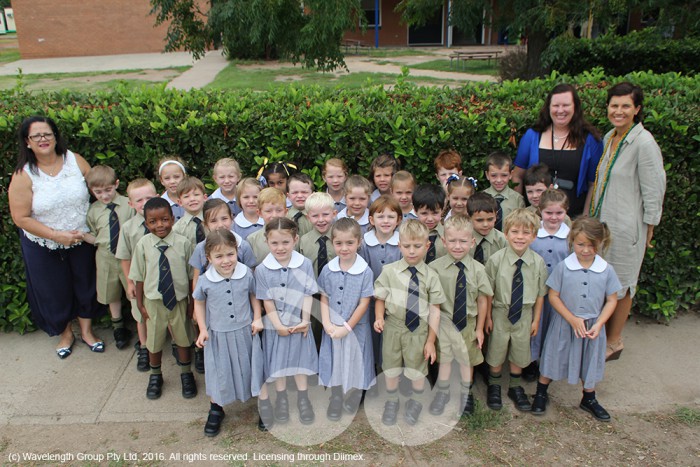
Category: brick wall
<point>52,28</point>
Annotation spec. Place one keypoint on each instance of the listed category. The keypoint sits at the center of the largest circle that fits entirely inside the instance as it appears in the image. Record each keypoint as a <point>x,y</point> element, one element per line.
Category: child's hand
<point>594,331</point>
<point>429,352</point>
<point>579,326</point>
<point>282,331</point>
<point>488,325</point>
<point>479,338</point>
<point>339,332</point>
<point>302,327</point>
<point>257,326</point>
<point>202,339</point>
<point>328,328</point>
<point>144,313</point>
<point>534,328</point>
<point>131,290</point>
<point>379,325</point>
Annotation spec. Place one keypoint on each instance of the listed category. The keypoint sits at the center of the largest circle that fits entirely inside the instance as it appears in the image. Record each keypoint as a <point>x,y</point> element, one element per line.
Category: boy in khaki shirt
<point>320,210</point>
<point>498,173</point>
<point>482,210</point>
<point>299,188</point>
<point>271,203</point>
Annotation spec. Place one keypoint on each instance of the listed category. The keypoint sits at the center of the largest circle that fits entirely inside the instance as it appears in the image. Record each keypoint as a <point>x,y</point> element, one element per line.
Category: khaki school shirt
<point>258,243</point>
<point>392,287</point>
<point>500,269</point>
<point>495,241</point>
<point>98,219</point>
<point>512,200</point>
<point>440,249</point>
<point>477,283</point>
<point>308,246</point>
<point>304,223</point>
<point>187,227</point>
<point>131,232</point>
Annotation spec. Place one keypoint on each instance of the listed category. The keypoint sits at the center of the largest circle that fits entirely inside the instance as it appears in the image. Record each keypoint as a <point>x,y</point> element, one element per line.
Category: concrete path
<point>202,73</point>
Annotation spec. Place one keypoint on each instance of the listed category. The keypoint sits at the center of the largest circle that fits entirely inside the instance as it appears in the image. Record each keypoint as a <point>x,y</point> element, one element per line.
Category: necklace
<point>558,138</point>
<point>53,167</point>
<point>594,210</point>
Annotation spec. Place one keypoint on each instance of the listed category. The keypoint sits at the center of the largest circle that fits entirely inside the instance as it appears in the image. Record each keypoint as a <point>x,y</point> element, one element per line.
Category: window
<point>368,7</point>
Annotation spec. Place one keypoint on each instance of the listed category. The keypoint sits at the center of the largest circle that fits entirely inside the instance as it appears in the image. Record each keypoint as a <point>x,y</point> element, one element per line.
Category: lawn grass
<point>9,55</point>
<point>479,67</point>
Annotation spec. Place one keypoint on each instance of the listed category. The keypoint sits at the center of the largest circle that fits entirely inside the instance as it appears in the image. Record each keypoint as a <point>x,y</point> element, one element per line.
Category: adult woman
<point>563,140</point>
<point>49,202</point>
<point>628,196</point>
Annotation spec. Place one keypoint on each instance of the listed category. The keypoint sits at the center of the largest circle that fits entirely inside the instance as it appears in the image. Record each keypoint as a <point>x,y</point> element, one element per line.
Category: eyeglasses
<point>46,136</point>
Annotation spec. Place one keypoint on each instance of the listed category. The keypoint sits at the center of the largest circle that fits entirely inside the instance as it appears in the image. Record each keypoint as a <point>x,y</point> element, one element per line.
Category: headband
<point>285,165</point>
<point>160,169</point>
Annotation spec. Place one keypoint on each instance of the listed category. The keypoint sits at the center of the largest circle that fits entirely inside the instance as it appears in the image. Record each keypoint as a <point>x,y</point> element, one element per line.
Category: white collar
<point>167,198</point>
<point>271,262</point>
<point>241,221</point>
<point>358,267</point>
<point>371,239</point>
<point>571,262</point>
<point>449,214</point>
<point>364,220</point>
<point>412,212</point>
<point>238,238</point>
<point>219,195</point>
<point>238,273</point>
<point>563,231</point>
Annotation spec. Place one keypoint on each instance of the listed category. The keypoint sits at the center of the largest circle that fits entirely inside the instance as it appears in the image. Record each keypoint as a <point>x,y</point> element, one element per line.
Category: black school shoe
<point>122,336</point>
<point>437,406</point>
<point>213,425</point>
<point>282,407</point>
<point>493,397</point>
<point>352,401</point>
<point>155,385</point>
<point>519,398</point>
<point>466,403</point>
<point>594,408</point>
<point>306,410</point>
<point>189,387</point>
<point>267,416</point>
<point>199,361</point>
<point>335,408</point>
<point>391,410</point>
<point>413,410</point>
<point>539,403</point>
<point>142,360</point>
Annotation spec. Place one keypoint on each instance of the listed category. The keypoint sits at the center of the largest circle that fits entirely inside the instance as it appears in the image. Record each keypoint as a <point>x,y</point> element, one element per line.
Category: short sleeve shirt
<point>98,219</point>
<point>494,241</point>
<point>131,232</point>
<point>500,269</point>
<point>308,246</point>
<point>392,287</point>
<point>227,298</point>
<point>477,283</point>
<point>344,289</point>
<point>187,227</point>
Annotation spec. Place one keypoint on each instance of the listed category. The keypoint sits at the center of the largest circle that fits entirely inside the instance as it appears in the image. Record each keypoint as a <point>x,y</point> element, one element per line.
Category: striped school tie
<point>499,214</point>
<point>412,318</point>
<point>516,294</point>
<point>322,254</point>
<point>459,316</point>
<point>165,280</point>
<point>430,256</point>
<point>113,228</point>
<point>199,233</point>
<point>146,231</point>
<point>297,216</point>
<point>479,251</point>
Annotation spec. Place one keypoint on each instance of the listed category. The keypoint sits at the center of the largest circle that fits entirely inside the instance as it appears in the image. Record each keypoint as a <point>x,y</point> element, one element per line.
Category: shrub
<point>130,129</point>
<point>513,65</point>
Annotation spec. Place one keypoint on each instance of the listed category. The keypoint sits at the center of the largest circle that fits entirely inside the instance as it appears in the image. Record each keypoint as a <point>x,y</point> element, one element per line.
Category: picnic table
<point>358,46</point>
<point>462,57</point>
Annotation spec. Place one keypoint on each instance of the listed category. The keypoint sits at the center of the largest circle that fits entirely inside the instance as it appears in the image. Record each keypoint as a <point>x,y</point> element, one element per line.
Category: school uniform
<point>228,352</point>
<point>131,232</point>
<point>178,211</point>
<point>145,268</point>
<point>347,362</point>
<point>245,255</point>
<point>231,203</point>
<point>490,244</point>
<point>508,339</point>
<point>454,343</point>
<point>363,221</point>
<point>258,243</point>
<point>339,205</point>
<point>509,200</point>
<point>410,215</point>
<point>244,227</point>
<point>401,347</point>
<point>583,291</point>
<point>375,194</point>
<point>308,246</point>
<point>437,248</point>
<point>299,216</point>
<point>187,226</point>
<point>287,286</point>
<point>553,249</point>
<point>110,277</point>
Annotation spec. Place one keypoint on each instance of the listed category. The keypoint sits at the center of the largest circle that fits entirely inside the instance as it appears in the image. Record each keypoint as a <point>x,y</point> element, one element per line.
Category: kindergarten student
<point>498,173</point>
<point>517,276</point>
<point>271,204</point>
<point>226,326</point>
<point>226,175</point>
<point>482,210</point>
<point>402,186</point>
<point>357,193</point>
<point>410,294</point>
<point>299,187</point>
<point>346,364</point>
<point>191,195</point>
<point>285,283</point>
<point>583,291</point>
<point>459,190</point>
<point>536,180</point>
<point>448,162</point>
<point>248,220</point>
<point>335,173</point>
<point>381,171</point>
<point>462,314</point>
<point>133,230</point>
<point>171,171</point>
<point>105,218</point>
<point>162,277</point>
<point>316,245</point>
<point>429,201</point>
<point>276,174</point>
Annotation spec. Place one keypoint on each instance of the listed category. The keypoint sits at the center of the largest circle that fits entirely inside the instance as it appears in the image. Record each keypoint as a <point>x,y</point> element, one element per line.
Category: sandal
<point>97,347</point>
<point>64,352</point>
<point>613,350</point>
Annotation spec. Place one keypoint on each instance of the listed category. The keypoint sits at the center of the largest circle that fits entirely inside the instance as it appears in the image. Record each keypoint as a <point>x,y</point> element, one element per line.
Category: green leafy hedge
<point>131,129</point>
<point>619,55</point>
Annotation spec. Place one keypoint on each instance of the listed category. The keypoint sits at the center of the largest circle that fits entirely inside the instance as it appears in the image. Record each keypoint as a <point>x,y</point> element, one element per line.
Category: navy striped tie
<point>412,304</point>
<point>516,294</point>
<point>459,316</point>
<point>199,233</point>
<point>430,256</point>
<point>165,280</point>
<point>499,214</point>
<point>322,254</point>
<point>113,228</point>
<point>479,251</point>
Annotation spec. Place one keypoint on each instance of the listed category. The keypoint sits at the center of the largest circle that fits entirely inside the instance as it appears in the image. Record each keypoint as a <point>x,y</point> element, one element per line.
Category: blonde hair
<point>227,162</point>
<point>521,217</point>
<point>335,162</point>
<point>403,176</point>
<point>171,160</point>
<point>413,229</point>
<point>243,184</point>
<point>188,184</point>
<point>553,196</point>
<point>346,224</point>
<point>139,183</point>
<point>319,200</point>
<point>459,223</point>
<point>271,196</point>
<point>101,176</point>
<point>358,181</point>
<point>595,231</point>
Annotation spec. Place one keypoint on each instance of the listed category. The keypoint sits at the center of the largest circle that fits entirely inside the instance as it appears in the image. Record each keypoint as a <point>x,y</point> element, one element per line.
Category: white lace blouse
<point>60,202</point>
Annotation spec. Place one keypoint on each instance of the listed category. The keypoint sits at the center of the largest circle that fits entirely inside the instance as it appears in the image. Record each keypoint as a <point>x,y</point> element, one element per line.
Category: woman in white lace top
<point>49,202</point>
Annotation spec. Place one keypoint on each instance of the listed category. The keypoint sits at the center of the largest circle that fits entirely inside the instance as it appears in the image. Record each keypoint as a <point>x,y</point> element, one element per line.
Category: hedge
<point>130,129</point>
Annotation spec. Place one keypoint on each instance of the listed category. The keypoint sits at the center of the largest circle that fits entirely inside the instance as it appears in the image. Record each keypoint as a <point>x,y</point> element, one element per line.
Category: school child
<point>271,204</point>
<point>217,216</point>
<point>316,245</point>
<point>226,175</point>
<point>402,186</point>
<point>583,292</point>
<point>448,162</point>
<point>248,220</point>
<point>482,210</point>
<point>536,181</point>
<point>429,201</point>
<point>299,187</point>
<point>162,277</point>
<point>285,283</point>
<point>462,314</point>
<point>346,364</point>
<point>517,276</point>
<point>171,170</point>
<point>357,193</point>
<point>226,325</point>
<point>276,174</point>
<point>551,245</point>
<point>409,294</point>
<point>381,172</point>
<point>335,173</point>
<point>104,219</point>
<point>191,195</point>
<point>498,173</point>
<point>459,190</point>
<point>139,191</point>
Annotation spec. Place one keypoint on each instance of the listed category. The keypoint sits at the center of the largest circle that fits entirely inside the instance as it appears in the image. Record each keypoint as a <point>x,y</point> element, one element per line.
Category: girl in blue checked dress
<point>583,292</point>
<point>346,363</point>
<point>228,316</point>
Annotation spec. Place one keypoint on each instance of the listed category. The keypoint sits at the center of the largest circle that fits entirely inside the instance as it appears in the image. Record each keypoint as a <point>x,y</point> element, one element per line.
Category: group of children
<point>274,280</point>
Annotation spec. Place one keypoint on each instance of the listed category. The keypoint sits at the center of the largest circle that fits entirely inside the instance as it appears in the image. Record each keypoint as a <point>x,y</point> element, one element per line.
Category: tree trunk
<point>537,41</point>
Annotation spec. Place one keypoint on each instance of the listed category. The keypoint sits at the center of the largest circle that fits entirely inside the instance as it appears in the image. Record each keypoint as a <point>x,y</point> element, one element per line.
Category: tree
<point>310,34</point>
